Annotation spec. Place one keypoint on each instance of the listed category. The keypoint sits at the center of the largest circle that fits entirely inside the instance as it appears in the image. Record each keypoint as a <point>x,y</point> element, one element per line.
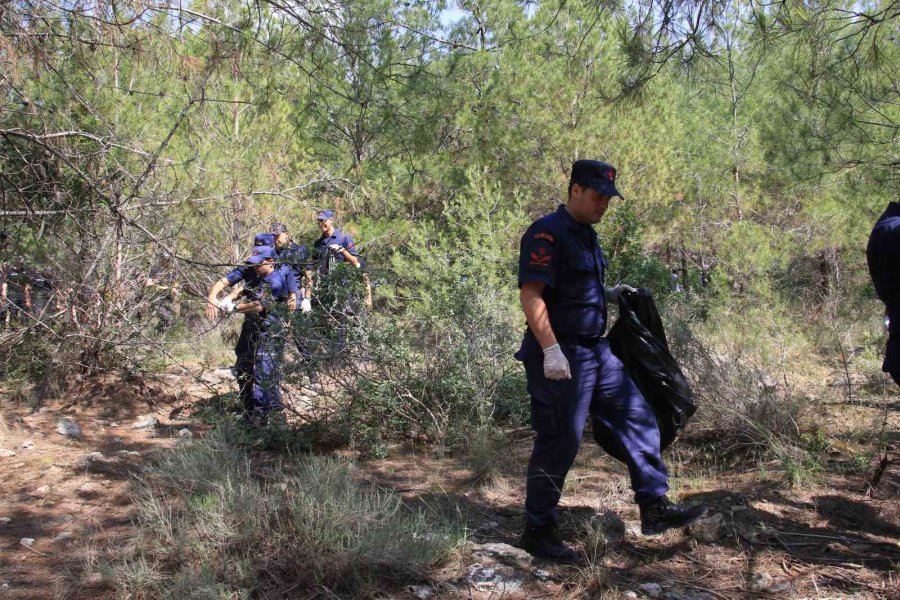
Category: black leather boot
<point>663,514</point>
<point>546,543</point>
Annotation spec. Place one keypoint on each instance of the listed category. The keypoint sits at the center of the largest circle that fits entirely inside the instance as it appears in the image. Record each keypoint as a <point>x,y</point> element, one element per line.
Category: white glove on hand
<point>556,366</point>
<point>226,305</point>
<point>306,305</point>
<point>335,247</point>
<point>613,293</point>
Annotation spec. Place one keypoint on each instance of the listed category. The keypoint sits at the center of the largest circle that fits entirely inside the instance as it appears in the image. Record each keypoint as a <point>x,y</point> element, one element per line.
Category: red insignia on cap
<point>611,175</point>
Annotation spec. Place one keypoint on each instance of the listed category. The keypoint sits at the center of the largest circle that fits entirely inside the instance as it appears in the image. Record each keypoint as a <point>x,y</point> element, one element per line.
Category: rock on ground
<point>504,553</point>
<point>145,422</point>
<point>763,582</point>
<point>708,529</point>
<point>67,427</point>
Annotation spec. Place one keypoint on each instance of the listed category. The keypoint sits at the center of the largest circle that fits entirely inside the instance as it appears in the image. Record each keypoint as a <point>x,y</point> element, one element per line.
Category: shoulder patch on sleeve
<point>544,236</point>
<point>541,258</point>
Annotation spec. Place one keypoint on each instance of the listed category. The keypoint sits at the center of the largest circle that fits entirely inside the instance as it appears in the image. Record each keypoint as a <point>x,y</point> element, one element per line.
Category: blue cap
<point>597,175</point>
<point>261,253</point>
<point>325,214</point>
<point>264,239</point>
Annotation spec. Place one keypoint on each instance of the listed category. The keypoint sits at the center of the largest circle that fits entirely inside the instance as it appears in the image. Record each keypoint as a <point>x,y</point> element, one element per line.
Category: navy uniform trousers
<point>245,352</point>
<point>559,409</point>
<point>266,392</point>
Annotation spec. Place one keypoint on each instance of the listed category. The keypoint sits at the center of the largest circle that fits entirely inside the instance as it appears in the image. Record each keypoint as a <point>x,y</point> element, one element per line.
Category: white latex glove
<point>556,365</point>
<point>305,305</point>
<point>335,247</point>
<point>226,305</point>
<point>613,293</point>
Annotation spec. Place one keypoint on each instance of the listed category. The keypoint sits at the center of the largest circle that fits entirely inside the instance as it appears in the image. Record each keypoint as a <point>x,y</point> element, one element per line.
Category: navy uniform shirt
<point>274,288</point>
<point>565,255</point>
<point>338,237</point>
<point>294,256</point>
<point>244,273</point>
<point>883,256</point>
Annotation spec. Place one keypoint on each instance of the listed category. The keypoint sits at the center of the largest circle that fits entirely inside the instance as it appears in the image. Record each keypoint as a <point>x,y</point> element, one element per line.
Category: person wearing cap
<point>333,243</point>
<point>570,370</point>
<point>296,256</point>
<point>275,285</point>
<point>883,258</point>
<point>252,275</point>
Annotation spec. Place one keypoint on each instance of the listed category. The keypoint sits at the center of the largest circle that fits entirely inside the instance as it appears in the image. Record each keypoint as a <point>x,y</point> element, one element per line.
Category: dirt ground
<point>829,537</point>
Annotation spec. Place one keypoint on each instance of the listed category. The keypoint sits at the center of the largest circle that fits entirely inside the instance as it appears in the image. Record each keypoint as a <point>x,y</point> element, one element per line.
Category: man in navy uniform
<point>333,244</point>
<point>883,256</point>
<point>297,258</point>
<point>274,295</point>
<point>571,371</point>
<point>248,340</point>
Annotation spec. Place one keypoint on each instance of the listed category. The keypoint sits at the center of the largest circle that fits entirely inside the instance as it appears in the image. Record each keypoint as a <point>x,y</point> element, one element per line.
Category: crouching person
<point>269,301</point>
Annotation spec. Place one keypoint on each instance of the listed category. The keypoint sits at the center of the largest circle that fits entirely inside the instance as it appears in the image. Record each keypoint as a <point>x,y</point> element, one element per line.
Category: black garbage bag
<point>639,341</point>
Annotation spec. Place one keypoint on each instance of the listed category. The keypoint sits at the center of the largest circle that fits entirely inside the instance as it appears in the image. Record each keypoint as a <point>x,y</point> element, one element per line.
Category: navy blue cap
<point>325,214</point>
<point>261,253</point>
<point>264,239</point>
<point>597,175</point>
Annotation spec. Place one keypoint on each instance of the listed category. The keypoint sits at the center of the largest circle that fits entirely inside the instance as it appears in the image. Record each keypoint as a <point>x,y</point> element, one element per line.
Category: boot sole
<point>662,528</point>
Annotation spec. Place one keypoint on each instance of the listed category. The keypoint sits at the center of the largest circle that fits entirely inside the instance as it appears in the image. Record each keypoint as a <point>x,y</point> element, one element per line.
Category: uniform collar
<point>893,209</point>
<point>570,221</point>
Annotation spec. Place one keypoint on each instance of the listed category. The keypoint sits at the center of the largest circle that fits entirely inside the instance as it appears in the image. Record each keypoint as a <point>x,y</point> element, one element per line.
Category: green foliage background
<point>759,148</point>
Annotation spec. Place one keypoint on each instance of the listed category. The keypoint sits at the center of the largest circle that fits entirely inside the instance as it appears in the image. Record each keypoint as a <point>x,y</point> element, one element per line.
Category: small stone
<point>89,488</point>
<point>145,422</point>
<point>481,575</point>
<point>5,521</point>
<point>654,590</point>
<point>41,491</point>
<point>85,462</point>
<point>504,553</point>
<point>629,594</point>
<point>67,427</point>
<point>185,433</point>
<point>541,575</point>
<point>28,445</point>
<point>106,482</point>
<point>129,453</point>
<point>612,525</point>
<point>422,592</point>
<point>763,582</point>
<point>708,529</point>
<point>4,453</point>
<point>63,536</point>
<point>113,424</point>
<point>27,542</point>
<point>633,529</point>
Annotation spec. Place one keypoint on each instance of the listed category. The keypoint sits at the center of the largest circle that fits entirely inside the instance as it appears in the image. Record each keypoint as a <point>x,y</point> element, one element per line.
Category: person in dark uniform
<point>883,257</point>
<point>333,244</point>
<point>571,372</point>
<point>272,297</point>
<point>298,258</point>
